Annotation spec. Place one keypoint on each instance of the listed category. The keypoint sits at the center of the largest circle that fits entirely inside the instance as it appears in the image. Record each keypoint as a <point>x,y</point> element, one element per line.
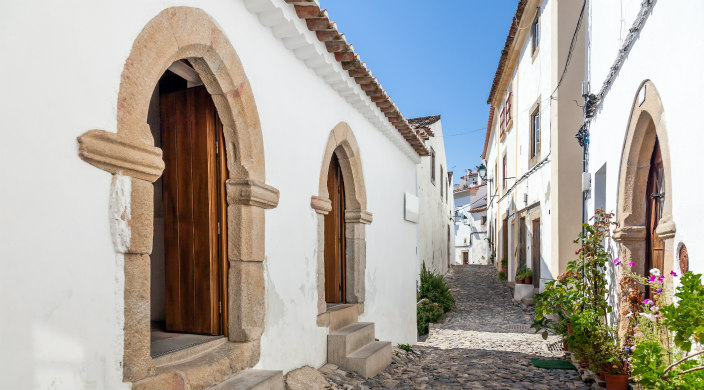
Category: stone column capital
<point>251,192</point>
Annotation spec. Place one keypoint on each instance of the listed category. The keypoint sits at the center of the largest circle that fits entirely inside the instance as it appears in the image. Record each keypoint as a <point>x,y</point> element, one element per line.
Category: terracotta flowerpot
<point>616,382</point>
<point>528,280</point>
<point>504,268</point>
<point>569,328</point>
<point>601,376</point>
<point>564,346</point>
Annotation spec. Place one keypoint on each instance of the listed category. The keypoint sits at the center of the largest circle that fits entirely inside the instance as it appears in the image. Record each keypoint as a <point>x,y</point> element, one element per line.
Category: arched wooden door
<point>335,236</point>
<point>655,194</point>
<point>194,219</point>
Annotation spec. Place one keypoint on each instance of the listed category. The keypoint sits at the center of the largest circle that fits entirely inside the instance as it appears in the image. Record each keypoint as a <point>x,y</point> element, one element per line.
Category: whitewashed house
<point>435,244</point>
<point>192,190</point>
<point>644,129</point>
<point>531,160</point>
<point>471,244</point>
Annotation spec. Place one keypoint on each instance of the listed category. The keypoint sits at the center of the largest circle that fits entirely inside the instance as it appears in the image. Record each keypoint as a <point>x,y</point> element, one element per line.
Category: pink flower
<point>631,264</point>
<point>673,273</point>
<point>648,302</point>
<point>659,290</point>
<point>661,279</point>
<point>617,261</point>
<point>653,278</point>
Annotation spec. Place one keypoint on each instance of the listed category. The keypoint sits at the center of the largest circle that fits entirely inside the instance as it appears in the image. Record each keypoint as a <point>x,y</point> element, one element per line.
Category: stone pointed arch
<point>645,126</point>
<point>129,154</point>
<point>343,144</point>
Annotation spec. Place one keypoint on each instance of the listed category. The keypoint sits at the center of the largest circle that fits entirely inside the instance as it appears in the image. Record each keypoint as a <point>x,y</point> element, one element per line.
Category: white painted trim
<point>281,18</point>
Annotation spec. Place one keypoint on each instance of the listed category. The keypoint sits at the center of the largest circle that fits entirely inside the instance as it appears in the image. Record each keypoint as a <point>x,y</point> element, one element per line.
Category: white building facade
<point>644,136</point>
<point>532,161</point>
<point>435,230</point>
<point>471,224</point>
<point>83,223</point>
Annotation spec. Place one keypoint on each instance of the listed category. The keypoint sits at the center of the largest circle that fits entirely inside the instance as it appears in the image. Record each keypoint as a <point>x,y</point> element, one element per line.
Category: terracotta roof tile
<point>317,20</point>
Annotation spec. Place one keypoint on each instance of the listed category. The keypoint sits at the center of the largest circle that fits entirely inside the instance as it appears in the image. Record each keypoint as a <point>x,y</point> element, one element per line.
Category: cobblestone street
<point>486,343</point>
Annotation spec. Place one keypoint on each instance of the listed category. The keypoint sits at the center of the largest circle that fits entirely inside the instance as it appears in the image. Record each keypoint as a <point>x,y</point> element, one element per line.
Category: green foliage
<point>427,312</point>
<point>435,299</point>
<point>594,344</point>
<point>434,287</point>
<point>687,318</point>
<point>655,363</point>
<point>502,275</point>
<point>405,347</point>
<point>580,297</point>
<point>523,272</point>
<point>504,262</point>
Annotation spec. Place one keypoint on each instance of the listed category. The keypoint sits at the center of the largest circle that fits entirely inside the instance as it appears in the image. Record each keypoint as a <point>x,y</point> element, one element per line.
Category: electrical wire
<point>572,44</point>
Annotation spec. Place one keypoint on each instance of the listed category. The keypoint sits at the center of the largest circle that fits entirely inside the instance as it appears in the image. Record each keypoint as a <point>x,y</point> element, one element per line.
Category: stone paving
<point>486,343</point>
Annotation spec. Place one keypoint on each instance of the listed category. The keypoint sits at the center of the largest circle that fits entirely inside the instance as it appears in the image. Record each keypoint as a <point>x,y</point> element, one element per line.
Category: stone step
<point>371,359</point>
<point>346,340</point>
<point>253,380</point>
<point>341,316</point>
<point>201,370</point>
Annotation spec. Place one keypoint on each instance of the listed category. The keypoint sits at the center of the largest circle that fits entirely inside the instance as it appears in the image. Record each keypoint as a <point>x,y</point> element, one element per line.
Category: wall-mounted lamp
<point>482,173</point>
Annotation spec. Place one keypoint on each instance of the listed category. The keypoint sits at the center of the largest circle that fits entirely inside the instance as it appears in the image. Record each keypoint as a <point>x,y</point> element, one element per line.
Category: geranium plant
<point>665,337</point>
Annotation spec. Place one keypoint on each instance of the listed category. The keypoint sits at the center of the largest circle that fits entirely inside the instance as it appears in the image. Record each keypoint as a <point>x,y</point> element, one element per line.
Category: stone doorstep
<point>371,359</point>
<point>253,380</point>
<point>202,369</point>
<point>189,353</point>
<point>339,316</point>
<point>344,341</point>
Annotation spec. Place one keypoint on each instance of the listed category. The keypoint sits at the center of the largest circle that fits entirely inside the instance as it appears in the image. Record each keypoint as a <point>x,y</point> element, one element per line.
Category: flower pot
<point>504,268</point>
<point>569,328</point>
<point>601,376</point>
<point>616,382</point>
<point>528,280</point>
<point>564,346</point>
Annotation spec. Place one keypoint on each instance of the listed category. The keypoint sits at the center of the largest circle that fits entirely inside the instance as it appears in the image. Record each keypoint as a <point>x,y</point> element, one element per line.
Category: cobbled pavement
<point>486,343</point>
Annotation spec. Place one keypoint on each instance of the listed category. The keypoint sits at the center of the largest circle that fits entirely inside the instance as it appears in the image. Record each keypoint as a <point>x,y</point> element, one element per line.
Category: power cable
<point>572,44</point>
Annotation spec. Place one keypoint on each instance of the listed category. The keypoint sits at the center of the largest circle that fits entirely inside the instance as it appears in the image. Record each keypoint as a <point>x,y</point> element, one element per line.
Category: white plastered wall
<point>435,210</point>
<point>66,284</point>
<point>666,53</point>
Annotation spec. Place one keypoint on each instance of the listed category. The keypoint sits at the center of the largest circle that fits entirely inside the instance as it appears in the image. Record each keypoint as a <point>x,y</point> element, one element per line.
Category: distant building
<point>471,245</point>
<point>435,231</point>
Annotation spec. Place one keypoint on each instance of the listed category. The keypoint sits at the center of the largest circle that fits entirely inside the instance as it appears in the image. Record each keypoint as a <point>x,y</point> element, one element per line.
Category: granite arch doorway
<point>341,207</point>
<point>644,209</point>
<point>184,33</point>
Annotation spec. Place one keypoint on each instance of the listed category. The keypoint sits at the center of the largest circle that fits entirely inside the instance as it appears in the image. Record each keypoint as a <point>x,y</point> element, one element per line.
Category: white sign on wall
<point>410,211</point>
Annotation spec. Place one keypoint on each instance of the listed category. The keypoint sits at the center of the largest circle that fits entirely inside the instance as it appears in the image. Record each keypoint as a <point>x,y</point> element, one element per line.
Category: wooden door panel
<point>191,211</point>
<point>205,214</point>
<point>535,253</point>
<point>334,237</point>
<point>174,121</point>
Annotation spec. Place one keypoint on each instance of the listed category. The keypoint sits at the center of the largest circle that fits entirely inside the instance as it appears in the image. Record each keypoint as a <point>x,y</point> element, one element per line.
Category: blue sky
<point>432,57</point>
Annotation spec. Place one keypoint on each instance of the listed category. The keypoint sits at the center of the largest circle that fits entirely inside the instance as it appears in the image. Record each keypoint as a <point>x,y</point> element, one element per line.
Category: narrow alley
<point>486,343</point>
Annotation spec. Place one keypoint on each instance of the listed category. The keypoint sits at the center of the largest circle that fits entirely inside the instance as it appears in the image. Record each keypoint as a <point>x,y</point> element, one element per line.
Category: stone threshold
<point>201,366</point>
<point>335,315</point>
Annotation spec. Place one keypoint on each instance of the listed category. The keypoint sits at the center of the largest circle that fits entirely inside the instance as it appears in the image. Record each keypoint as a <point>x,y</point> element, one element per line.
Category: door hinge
<point>220,307</point>
<point>218,228</point>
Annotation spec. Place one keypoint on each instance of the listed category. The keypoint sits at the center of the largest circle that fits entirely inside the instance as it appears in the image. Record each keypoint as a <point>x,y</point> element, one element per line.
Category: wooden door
<point>655,198</point>
<point>504,239</point>
<point>535,253</point>
<point>193,211</point>
<point>335,236</point>
<point>522,242</point>
<point>465,257</point>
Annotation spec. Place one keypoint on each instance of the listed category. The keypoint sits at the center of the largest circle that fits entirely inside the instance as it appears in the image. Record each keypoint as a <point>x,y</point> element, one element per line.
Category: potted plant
<point>616,376</point>
<point>528,276</point>
<point>504,264</point>
<point>520,275</point>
